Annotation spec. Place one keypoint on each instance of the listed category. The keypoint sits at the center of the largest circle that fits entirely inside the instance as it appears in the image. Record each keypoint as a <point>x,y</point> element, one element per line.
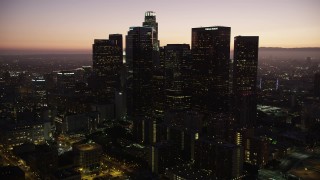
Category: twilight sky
<point>71,25</point>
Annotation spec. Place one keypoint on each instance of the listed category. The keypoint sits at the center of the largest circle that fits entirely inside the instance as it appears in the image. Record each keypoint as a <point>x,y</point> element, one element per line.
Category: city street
<point>9,159</point>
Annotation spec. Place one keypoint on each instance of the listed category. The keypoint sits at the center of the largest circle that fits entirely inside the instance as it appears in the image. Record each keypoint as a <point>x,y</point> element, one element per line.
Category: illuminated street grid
<point>9,159</point>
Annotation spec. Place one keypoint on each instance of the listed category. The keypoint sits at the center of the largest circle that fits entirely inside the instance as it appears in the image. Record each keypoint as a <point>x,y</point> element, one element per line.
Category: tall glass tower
<point>150,21</point>
<point>107,61</point>
<point>139,54</point>
<point>210,66</point>
<point>177,84</point>
<point>139,50</point>
<point>245,67</point>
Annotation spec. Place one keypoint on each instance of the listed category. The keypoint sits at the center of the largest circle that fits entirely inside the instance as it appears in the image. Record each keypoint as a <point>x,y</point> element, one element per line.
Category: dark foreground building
<point>211,59</point>
<point>245,79</point>
<point>177,77</point>
<point>107,59</point>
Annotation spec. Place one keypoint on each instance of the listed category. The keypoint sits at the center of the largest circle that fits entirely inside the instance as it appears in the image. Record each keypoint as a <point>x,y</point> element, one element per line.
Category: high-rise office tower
<point>211,58</point>
<point>107,55</point>
<point>158,83</point>
<point>177,73</point>
<point>66,81</point>
<point>140,47</point>
<point>39,92</point>
<point>107,61</point>
<point>256,151</point>
<point>117,39</point>
<point>151,21</point>
<point>145,130</point>
<point>245,79</point>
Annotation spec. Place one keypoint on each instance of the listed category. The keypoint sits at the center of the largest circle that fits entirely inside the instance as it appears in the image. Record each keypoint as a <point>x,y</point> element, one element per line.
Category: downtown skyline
<point>56,26</point>
<point>207,91</point>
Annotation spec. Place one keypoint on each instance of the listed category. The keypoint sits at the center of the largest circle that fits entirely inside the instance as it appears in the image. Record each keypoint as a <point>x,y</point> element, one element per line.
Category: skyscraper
<point>107,61</point>
<point>210,66</point>
<point>150,21</point>
<point>139,99</point>
<point>158,81</point>
<point>245,79</point>
<point>117,40</point>
<point>140,47</point>
<point>177,74</point>
<point>107,55</point>
<point>65,81</point>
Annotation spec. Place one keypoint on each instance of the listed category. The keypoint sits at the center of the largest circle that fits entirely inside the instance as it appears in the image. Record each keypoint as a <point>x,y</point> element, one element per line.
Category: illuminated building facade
<point>161,156</point>
<point>117,40</point>
<point>177,85</point>
<point>210,65</point>
<point>78,123</point>
<point>107,55</point>
<point>151,21</point>
<point>65,81</point>
<point>158,74</point>
<point>17,134</point>
<point>183,141</point>
<point>107,59</point>
<point>241,136</point>
<point>158,81</point>
<point>88,156</point>
<point>39,92</point>
<point>145,130</point>
<point>256,151</point>
<point>139,44</point>
<point>140,94</point>
<point>245,67</point>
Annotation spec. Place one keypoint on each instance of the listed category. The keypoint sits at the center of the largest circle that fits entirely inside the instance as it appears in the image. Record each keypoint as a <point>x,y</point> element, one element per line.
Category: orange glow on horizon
<point>64,25</point>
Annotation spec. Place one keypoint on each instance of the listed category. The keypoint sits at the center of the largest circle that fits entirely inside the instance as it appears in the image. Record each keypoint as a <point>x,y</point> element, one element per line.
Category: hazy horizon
<point>89,51</point>
<point>65,26</point>
<point>264,53</point>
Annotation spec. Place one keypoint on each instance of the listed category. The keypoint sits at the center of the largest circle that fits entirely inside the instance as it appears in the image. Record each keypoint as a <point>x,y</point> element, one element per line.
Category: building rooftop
<point>211,27</point>
<point>88,147</point>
